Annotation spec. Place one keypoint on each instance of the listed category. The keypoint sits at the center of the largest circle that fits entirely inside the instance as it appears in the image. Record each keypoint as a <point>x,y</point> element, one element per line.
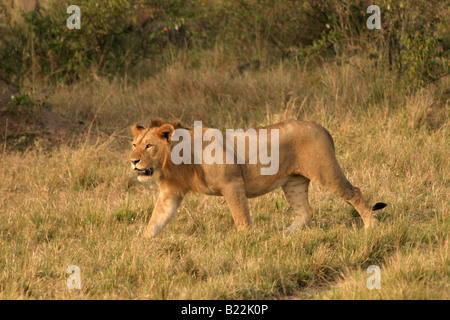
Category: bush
<point>110,41</point>
<point>24,104</point>
<point>118,36</point>
<point>413,39</point>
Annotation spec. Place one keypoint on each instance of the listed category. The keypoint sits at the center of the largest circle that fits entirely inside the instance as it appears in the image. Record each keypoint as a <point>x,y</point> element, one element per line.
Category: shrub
<point>110,41</point>
<point>118,36</point>
<point>412,39</point>
<point>24,104</point>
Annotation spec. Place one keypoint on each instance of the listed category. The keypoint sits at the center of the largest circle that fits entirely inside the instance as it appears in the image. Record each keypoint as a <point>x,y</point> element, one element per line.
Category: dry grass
<point>84,207</point>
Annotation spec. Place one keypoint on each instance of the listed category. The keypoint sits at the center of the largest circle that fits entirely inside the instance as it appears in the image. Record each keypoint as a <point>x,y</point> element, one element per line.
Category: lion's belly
<point>263,184</point>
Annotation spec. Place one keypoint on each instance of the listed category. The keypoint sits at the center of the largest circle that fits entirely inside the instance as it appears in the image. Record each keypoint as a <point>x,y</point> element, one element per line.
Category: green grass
<point>83,206</point>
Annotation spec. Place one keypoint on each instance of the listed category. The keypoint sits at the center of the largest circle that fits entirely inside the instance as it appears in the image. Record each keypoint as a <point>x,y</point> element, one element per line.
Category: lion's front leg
<point>234,194</point>
<point>165,208</point>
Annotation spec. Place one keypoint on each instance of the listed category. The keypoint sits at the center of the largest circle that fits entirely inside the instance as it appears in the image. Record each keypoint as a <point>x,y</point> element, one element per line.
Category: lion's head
<point>151,147</point>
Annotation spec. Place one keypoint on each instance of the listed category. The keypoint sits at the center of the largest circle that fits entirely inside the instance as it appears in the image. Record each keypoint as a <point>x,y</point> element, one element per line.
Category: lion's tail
<point>379,206</point>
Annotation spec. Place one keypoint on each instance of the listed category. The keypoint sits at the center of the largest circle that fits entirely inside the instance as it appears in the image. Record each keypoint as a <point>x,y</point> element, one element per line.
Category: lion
<point>306,153</point>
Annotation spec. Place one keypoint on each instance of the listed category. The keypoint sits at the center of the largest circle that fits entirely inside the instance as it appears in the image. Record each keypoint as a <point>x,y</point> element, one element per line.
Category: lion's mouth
<point>145,172</point>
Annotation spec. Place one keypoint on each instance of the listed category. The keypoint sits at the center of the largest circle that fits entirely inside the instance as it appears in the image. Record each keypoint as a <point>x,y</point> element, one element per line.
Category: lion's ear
<point>157,122</point>
<point>177,124</point>
<point>137,129</point>
<point>165,131</point>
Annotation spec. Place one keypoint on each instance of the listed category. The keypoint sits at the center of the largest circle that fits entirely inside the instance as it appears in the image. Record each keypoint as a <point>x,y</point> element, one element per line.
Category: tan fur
<point>306,152</point>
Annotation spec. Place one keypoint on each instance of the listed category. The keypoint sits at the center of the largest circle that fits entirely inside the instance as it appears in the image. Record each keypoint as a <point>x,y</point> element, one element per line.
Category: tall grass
<point>84,207</point>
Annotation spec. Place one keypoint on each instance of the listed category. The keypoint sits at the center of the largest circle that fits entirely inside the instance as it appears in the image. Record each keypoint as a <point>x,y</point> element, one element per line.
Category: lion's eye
<point>134,145</point>
<point>149,146</point>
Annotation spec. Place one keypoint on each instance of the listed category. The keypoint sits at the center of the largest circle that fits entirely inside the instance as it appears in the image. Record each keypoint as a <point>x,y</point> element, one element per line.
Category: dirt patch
<point>23,127</point>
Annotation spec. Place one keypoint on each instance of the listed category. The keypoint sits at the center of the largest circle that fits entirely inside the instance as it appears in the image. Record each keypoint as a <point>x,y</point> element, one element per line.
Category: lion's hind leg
<point>296,192</point>
<point>337,183</point>
<point>327,172</point>
<point>356,199</point>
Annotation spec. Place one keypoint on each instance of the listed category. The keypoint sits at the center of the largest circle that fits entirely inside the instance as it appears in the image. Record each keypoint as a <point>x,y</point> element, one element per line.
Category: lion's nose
<point>135,161</point>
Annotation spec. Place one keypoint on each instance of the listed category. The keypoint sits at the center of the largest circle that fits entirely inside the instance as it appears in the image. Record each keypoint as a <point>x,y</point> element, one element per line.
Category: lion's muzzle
<point>145,172</point>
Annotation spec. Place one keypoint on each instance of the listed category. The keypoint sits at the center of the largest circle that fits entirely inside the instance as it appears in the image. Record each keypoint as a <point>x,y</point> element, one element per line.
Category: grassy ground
<point>83,206</point>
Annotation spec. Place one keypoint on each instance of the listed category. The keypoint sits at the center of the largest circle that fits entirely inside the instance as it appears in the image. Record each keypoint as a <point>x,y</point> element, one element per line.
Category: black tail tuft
<point>378,206</point>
